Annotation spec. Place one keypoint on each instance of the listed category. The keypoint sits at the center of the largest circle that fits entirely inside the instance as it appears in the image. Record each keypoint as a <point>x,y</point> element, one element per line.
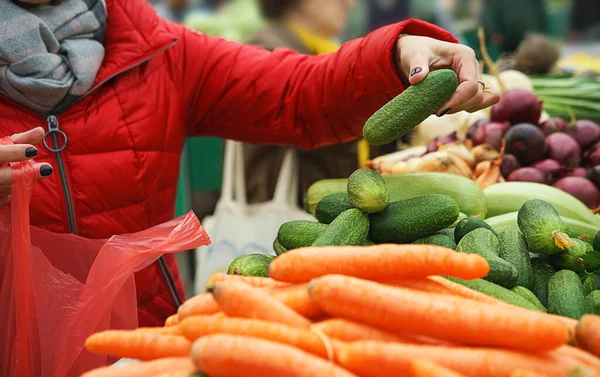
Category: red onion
<point>553,125</point>
<point>564,149</point>
<point>446,139</point>
<point>594,175</point>
<point>577,172</point>
<point>476,125</point>
<point>517,106</point>
<point>509,164</point>
<point>548,165</point>
<point>490,133</point>
<point>585,132</point>
<point>580,188</point>
<point>529,175</point>
<point>526,142</point>
<point>593,155</point>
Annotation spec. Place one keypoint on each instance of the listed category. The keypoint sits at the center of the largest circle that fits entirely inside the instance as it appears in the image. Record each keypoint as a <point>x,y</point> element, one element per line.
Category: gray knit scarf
<point>50,54</point>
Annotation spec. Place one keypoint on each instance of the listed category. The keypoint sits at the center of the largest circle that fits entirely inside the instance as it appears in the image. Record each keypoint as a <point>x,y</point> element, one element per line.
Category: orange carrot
<point>297,298</point>
<point>139,345</point>
<point>525,373</point>
<point>242,300</point>
<point>172,320</point>
<point>421,284</point>
<point>226,355</point>
<point>199,326</point>
<point>198,305</point>
<point>461,290</point>
<point>177,373</point>
<point>578,355</point>
<point>173,330</point>
<point>144,369</point>
<point>380,359</point>
<point>350,331</point>
<point>424,368</point>
<point>587,334</point>
<point>451,318</point>
<point>255,281</point>
<point>380,262</point>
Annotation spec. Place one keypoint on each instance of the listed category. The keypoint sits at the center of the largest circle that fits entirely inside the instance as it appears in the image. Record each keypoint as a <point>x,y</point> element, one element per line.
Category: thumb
<point>419,68</point>
<point>32,137</point>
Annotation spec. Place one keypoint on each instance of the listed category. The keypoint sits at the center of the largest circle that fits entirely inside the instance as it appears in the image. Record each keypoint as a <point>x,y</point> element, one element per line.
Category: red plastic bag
<point>57,289</point>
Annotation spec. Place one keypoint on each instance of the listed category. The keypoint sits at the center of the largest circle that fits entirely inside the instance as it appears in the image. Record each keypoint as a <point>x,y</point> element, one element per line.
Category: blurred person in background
<point>176,10</point>
<point>585,20</point>
<point>385,12</point>
<point>507,21</point>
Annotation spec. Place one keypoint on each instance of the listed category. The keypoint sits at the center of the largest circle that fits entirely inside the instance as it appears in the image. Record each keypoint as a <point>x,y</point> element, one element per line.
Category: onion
<point>548,165</point>
<point>526,142</point>
<point>490,133</point>
<point>577,172</point>
<point>585,132</point>
<point>594,175</point>
<point>509,164</point>
<point>580,188</point>
<point>446,139</point>
<point>475,126</point>
<point>529,175</point>
<point>564,149</point>
<point>593,155</point>
<point>517,106</point>
<point>553,125</point>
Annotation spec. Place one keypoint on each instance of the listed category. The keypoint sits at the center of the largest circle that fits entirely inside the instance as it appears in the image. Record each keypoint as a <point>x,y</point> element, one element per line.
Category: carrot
<point>444,317</point>
<point>424,368</point>
<point>525,373</point>
<point>198,305</point>
<point>582,372</point>
<point>199,326</point>
<point>578,355</point>
<point>172,320</point>
<point>587,334</point>
<point>350,331</point>
<point>297,298</point>
<point>139,345</point>
<point>144,369</point>
<point>242,300</point>
<point>395,359</point>
<point>421,284</point>
<point>173,330</point>
<point>177,373</point>
<point>226,355</point>
<point>255,281</point>
<point>380,262</point>
<point>461,290</point>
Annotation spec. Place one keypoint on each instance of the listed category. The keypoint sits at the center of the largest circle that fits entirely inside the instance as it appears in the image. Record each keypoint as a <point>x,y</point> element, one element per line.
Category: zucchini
<point>485,243</point>
<point>591,283</point>
<point>510,196</point>
<point>545,232</point>
<point>350,228</point>
<point>513,249</point>
<point>542,272</point>
<point>579,258</point>
<point>331,206</point>
<point>592,303</point>
<point>411,107</point>
<point>464,191</point>
<point>411,219</point>
<point>565,295</point>
<point>368,191</point>
<point>496,291</point>
<point>299,233</point>
<point>467,225</point>
<point>438,239</point>
<point>529,296</point>
<point>509,221</point>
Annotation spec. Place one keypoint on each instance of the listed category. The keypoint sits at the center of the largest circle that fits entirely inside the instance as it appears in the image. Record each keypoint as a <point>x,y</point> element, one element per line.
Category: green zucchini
<point>513,249</point>
<point>545,232</point>
<point>592,303</point>
<point>529,296</point>
<point>467,225</point>
<point>368,191</point>
<point>331,206</point>
<point>350,228</point>
<point>565,295</point>
<point>579,258</point>
<point>438,239</point>
<point>299,233</point>
<point>411,219</point>
<point>542,272</point>
<point>485,243</point>
<point>411,107</point>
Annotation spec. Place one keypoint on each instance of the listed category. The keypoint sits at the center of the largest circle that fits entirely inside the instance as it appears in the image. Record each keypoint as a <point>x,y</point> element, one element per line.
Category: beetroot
<point>529,175</point>
<point>553,125</point>
<point>509,164</point>
<point>490,133</point>
<point>580,188</point>
<point>517,106</point>
<point>548,165</point>
<point>594,175</point>
<point>446,139</point>
<point>476,125</point>
<point>577,172</point>
<point>592,155</point>
<point>526,142</point>
<point>564,149</point>
<point>585,132</point>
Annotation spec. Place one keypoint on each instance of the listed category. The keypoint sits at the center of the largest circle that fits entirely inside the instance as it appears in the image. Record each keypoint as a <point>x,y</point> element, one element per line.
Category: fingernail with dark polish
<point>46,170</point>
<point>31,152</point>
<point>445,112</point>
<point>415,71</point>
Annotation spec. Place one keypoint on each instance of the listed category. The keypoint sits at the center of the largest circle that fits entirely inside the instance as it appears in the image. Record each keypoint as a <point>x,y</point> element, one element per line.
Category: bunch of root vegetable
<point>373,311</point>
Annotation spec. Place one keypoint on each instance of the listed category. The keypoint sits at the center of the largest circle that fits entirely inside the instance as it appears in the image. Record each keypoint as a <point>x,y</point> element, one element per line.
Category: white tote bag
<point>237,228</point>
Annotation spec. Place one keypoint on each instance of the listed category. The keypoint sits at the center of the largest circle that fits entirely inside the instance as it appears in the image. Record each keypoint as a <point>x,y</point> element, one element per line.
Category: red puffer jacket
<point>160,83</point>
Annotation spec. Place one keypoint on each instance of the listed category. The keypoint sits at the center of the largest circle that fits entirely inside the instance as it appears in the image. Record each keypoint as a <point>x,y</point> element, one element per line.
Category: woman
<point>116,90</point>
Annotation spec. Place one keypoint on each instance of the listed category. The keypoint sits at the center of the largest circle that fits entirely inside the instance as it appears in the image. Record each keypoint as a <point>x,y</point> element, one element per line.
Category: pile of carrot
<point>373,311</point>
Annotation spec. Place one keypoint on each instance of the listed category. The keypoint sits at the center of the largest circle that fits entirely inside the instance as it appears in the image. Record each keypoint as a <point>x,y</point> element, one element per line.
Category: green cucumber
<point>469,224</point>
<point>591,284</point>
<point>250,265</point>
<point>544,230</point>
<point>411,219</point>
<point>438,239</point>
<point>578,258</point>
<point>447,232</point>
<point>508,221</point>
<point>368,191</point>
<point>331,206</point>
<point>411,107</point>
<point>496,291</point>
<point>565,295</point>
<point>596,241</point>
<point>278,248</point>
<point>513,249</point>
<point>592,303</point>
<point>542,272</point>
<point>529,296</point>
<point>461,216</point>
<point>350,228</point>
<point>485,243</point>
<point>299,233</point>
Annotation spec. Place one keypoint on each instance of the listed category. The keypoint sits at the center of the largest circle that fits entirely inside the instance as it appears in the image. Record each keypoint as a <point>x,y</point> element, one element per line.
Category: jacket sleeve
<point>252,95</point>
